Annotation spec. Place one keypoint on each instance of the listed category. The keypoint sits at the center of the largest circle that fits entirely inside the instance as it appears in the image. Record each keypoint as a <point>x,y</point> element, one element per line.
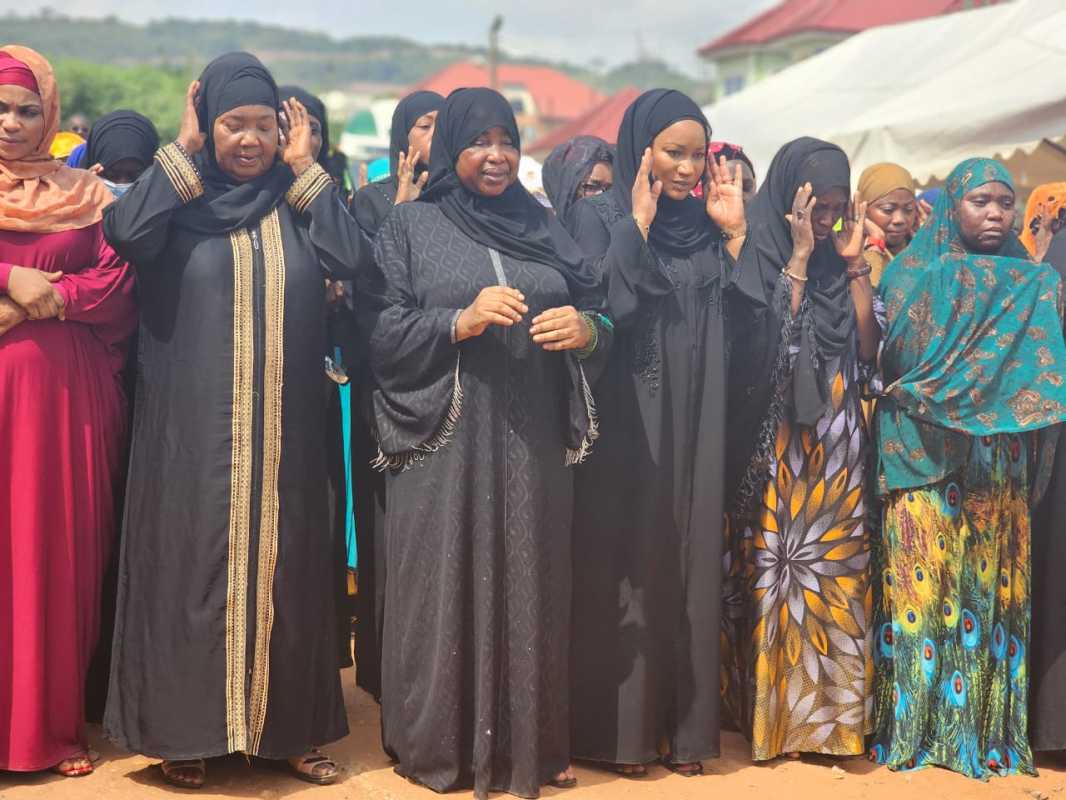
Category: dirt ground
<point>366,775</point>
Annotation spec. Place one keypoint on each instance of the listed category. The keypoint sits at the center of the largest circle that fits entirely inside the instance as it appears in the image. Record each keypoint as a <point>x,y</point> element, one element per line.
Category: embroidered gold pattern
<point>273,380</point>
<point>240,490</point>
<point>307,187</point>
<point>181,172</point>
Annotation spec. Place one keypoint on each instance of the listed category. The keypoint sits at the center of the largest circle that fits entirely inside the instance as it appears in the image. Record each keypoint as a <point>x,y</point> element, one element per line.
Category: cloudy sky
<point>578,30</point>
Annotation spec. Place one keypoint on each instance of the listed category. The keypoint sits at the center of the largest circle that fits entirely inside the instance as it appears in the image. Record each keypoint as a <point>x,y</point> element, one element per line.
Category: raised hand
<point>494,305</point>
<point>645,195</point>
<point>407,187</point>
<point>561,328</point>
<point>1042,233</point>
<point>725,197</point>
<point>296,145</point>
<point>190,137</point>
<point>849,239</point>
<point>924,210</point>
<point>800,221</point>
<point>873,230</point>
<point>33,290</point>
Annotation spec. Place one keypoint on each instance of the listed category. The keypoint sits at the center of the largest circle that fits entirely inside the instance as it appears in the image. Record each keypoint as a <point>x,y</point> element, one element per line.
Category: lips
<point>495,176</point>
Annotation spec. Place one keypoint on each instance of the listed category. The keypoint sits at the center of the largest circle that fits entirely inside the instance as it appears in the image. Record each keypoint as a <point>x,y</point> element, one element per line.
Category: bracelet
<point>644,229</point>
<point>876,244</point>
<point>594,337</point>
<point>861,272</point>
<point>738,234</point>
<point>800,278</point>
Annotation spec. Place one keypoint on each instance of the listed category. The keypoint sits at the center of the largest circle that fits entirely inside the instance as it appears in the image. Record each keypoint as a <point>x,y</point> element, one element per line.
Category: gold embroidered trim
<point>181,171</point>
<point>273,382</point>
<point>240,490</point>
<point>307,187</point>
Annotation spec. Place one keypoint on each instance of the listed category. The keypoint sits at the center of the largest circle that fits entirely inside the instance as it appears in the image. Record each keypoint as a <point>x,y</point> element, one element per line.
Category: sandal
<point>185,773</point>
<point>684,770</point>
<point>631,771</point>
<point>314,767</point>
<point>74,767</point>
<point>561,781</point>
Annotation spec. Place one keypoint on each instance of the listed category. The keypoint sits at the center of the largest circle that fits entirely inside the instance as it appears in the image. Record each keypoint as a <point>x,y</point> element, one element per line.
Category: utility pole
<point>494,52</point>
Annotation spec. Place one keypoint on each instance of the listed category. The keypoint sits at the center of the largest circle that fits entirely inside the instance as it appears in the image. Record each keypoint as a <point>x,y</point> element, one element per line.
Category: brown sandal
<point>74,767</point>
<point>308,769</point>
<point>185,773</point>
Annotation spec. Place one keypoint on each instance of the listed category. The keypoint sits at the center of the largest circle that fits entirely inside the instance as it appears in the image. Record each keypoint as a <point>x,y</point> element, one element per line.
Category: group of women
<point>675,456</point>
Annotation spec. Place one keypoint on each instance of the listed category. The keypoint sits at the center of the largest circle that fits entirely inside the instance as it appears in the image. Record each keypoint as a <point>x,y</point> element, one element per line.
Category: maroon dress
<point>63,423</point>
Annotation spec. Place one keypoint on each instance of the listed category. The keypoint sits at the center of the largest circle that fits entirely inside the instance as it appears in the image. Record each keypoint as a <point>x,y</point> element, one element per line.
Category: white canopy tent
<point>987,82</point>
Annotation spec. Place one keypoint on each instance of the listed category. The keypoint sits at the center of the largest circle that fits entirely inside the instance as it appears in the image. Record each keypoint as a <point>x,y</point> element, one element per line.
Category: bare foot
<point>75,767</point>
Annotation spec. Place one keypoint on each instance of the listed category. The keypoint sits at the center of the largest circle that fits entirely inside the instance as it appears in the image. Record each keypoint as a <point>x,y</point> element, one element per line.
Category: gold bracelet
<point>800,278</point>
<point>727,235</point>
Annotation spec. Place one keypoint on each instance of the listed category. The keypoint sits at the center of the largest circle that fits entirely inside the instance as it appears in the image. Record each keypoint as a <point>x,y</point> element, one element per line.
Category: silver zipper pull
<point>255,240</point>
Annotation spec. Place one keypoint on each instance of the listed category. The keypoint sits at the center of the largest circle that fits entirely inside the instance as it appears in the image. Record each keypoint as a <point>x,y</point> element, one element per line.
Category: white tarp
<point>987,82</point>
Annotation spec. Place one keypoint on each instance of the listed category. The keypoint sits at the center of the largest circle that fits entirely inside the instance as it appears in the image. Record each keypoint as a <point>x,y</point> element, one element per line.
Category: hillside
<point>315,60</point>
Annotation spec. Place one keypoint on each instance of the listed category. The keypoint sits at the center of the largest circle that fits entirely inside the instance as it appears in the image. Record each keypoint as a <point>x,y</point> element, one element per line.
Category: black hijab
<point>415,105</point>
<point>769,248</point>
<point>119,135</point>
<point>569,166</point>
<point>230,81</point>
<point>316,108</point>
<point>513,223</point>
<point>681,226</point>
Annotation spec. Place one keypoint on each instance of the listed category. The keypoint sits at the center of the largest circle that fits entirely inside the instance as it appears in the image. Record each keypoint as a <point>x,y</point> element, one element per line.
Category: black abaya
<point>649,503</point>
<point>223,641</point>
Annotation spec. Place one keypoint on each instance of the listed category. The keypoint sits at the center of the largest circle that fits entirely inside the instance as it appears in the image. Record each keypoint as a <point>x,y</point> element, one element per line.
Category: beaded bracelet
<point>594,337</point>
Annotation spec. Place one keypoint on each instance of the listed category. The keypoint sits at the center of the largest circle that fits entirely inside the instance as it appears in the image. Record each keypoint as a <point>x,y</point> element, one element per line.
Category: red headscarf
<point>37,193</point>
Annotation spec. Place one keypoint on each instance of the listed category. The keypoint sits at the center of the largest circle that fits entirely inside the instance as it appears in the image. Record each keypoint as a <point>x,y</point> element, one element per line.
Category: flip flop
<point>696,768</point>
<point>193,767</point>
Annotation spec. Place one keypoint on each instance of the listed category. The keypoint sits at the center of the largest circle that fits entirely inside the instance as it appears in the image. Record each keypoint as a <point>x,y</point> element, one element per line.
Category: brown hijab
<point>37,193</point>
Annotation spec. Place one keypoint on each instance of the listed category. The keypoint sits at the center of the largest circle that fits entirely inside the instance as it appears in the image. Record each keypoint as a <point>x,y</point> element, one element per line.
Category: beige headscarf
<point>879,179</point>
<point>37,193</point>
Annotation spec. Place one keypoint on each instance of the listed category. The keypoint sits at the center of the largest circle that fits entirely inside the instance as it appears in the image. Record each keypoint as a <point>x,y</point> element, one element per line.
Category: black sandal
<point>563,783</point>
<point>195,766</point>
<point>696,768</point>
<point>314,760</point>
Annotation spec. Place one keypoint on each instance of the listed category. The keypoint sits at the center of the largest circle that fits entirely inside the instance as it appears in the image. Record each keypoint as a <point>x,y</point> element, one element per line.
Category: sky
<point>579,31</point>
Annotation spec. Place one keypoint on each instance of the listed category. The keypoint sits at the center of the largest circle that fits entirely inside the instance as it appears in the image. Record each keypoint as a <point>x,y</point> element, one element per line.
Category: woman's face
<point>894,213</point>
<point>829,206</point>
<point>600,180</point>
<point>125,170</point>
<point>420,137</point>
<point>21,122</point>
<point>747,178</point>
<point>679,158</point>
<point>489,164</point>
<point>246,141</point>
<point>986,215</point>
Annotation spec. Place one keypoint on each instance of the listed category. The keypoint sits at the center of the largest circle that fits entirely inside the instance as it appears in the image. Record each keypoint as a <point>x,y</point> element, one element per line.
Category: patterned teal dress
<point>952,618</point>
<point>972,365</point>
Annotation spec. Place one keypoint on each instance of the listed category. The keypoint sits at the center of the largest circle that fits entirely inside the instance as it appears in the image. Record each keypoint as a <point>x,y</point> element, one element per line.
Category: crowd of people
<point>699,447</point>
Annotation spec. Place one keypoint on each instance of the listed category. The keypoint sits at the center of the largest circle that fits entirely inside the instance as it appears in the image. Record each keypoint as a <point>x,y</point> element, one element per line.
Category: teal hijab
<point>973,347</point>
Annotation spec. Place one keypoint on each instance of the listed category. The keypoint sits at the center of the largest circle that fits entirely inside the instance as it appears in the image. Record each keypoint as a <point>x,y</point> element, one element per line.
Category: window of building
<point>733,84</point>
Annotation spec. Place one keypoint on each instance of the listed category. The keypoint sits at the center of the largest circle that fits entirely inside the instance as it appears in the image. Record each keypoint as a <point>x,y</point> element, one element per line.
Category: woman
<point>226,561</point>
<point>341,351</point>
<point>581,167</point>
<point>483,368</point>
<point>972,363</point>
<point>66,314</point>
<point>410,139</point>
<point>1045,216</point>
<point>734,156</point>
<point>648,509</point>
<point>799,563</point>
<point>891,211</point>
<point>120,148</point>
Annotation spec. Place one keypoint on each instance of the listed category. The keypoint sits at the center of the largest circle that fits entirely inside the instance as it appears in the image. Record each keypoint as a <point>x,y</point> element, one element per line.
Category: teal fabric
<point>345,392</point>
<point>973,346</point>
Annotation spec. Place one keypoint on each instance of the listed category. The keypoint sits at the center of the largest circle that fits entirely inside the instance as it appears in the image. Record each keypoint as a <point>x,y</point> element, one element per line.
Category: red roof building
<point>797,29</point>
<point>543,98</point>
<point>602,120</point>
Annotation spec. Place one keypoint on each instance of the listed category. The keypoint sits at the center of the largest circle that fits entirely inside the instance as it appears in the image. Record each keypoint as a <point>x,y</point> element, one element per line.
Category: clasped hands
<point>31,294</point>
<point>562,328</point>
